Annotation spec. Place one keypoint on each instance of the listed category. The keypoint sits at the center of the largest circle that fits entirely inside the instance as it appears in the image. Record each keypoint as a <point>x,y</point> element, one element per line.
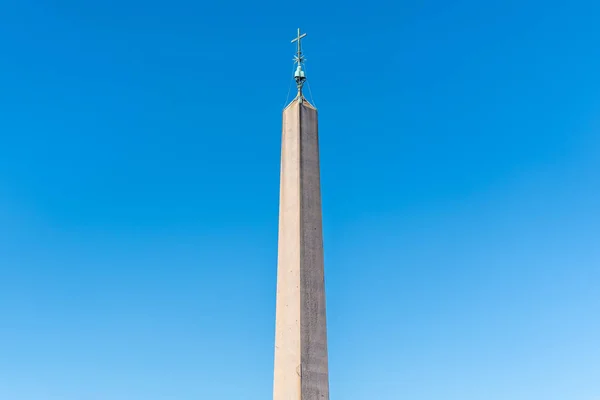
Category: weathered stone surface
<point>301,370</point>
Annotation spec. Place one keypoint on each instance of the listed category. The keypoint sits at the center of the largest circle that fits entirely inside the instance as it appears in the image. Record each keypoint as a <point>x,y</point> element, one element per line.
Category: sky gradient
<point>139,173</point>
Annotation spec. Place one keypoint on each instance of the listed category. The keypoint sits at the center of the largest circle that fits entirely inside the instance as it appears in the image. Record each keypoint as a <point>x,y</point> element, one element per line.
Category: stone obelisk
<point>301,370</point>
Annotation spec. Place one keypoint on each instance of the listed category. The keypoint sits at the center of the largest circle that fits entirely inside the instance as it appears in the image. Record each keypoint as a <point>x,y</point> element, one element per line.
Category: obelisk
<point>301,366</point>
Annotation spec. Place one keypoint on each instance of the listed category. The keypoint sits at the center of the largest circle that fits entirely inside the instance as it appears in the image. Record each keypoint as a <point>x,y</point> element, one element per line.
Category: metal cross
<point>299,58</point>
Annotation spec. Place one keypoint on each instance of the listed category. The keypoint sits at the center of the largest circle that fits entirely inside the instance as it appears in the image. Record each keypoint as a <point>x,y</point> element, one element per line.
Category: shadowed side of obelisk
<point>315,381</point>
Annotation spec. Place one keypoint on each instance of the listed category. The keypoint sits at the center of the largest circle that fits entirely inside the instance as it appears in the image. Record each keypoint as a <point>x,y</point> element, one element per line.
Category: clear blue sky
<point>139,172</point>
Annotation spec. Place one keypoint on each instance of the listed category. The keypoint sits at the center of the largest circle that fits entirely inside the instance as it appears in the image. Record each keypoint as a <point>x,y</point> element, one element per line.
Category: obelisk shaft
<point>301,367</point>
